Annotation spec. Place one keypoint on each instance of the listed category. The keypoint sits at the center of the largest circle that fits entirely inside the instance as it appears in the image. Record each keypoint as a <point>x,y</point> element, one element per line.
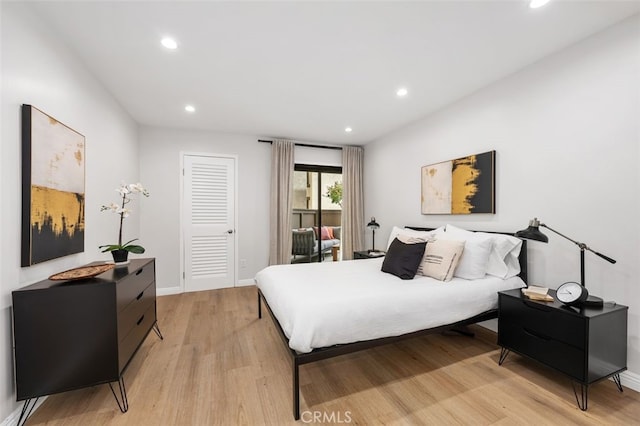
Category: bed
<point>323,310</point>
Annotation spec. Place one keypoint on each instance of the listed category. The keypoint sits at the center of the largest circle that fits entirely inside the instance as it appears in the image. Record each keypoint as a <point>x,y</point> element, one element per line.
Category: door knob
<point>230,231</point>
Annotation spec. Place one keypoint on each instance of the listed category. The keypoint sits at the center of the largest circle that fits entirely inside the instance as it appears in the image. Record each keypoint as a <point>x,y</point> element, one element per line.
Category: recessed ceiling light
<point>169,43</point>
<point>348,129</point>
<point>402,92</point>
<point>190,108</point>
<point>534,4</point>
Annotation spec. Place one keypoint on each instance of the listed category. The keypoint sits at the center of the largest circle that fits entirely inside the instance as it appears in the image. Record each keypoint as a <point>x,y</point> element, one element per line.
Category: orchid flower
<point>125,191</point>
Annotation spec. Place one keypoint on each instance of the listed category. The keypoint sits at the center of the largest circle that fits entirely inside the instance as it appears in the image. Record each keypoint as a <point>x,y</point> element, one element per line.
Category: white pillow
<point>424,235</point>
<point>477,250</point>
<point>441,258</point>
<point>410,240</point>
<point>504,262</point>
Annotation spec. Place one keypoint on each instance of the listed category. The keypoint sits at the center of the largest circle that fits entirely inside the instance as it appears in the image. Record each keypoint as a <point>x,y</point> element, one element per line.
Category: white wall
<point>318,156</point>
<point>160,156</point>
<point>567,132</point>
<point>38,70</point>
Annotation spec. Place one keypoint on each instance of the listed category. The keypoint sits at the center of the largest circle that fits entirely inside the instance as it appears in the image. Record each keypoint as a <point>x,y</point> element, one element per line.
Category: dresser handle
<point>140,295</point>
<point>140,271</point>
<point>534,334</point>
<point>140,320</point>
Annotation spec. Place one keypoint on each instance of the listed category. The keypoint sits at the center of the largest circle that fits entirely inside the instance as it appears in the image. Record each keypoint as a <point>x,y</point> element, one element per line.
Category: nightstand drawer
<point>130,287</point>
<point>129,316</point>
<point>543,320</point>
<point>134,339</point>
<point>551,352</point>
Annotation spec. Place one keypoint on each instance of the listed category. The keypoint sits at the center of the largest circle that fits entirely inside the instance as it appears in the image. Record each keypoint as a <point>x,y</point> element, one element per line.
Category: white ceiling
<point>307,70</point>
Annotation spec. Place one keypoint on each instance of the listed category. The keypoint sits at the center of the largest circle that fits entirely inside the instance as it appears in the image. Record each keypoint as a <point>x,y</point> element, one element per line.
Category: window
<point>317,203</point>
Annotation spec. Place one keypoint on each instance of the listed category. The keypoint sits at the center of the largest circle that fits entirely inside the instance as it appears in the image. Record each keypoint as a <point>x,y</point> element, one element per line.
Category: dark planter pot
<point>120,256</point>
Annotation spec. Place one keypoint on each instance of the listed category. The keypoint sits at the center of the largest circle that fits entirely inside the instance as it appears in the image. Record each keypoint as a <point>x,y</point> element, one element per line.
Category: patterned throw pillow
<point>441,258</point>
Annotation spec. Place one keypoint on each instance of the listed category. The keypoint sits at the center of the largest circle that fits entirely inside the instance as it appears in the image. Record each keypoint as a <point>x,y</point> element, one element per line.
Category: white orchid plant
<point>125,191</point>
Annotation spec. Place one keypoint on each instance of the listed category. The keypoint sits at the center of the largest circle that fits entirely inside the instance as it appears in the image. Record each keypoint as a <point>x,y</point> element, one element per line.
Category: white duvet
<point>324,304</point>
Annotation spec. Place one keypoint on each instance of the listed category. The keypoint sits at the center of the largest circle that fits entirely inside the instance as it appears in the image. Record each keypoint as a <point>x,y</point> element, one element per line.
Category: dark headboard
<point>523,251</point>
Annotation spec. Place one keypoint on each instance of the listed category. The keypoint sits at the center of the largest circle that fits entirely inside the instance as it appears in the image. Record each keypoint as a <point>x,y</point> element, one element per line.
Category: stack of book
<point>537,293</point>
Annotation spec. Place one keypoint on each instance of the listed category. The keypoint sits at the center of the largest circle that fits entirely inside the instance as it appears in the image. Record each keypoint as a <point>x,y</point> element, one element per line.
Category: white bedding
<point>323,304</point>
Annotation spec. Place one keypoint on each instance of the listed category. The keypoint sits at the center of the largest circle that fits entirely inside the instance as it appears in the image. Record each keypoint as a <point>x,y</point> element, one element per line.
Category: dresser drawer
<point>131,341</point>
<point>128,317</point>
<point>543,321</point>
<point>553,353</point>
<point>130,287</point>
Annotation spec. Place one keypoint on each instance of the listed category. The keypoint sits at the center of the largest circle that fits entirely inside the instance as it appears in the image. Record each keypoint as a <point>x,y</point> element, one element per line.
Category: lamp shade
<point>533,232</point>
<point>373,224</point>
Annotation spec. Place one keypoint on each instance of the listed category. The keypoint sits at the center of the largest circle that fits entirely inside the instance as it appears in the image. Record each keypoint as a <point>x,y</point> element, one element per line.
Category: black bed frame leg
<point>259,306</point>
<point>296,389</point>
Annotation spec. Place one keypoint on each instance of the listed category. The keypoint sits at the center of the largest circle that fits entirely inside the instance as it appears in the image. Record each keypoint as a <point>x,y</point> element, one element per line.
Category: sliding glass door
<point>317,213</point>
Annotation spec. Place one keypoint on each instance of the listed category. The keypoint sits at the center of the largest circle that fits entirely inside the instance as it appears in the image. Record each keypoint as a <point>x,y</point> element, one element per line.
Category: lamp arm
<point>582,246</point>
<point>607,258</point>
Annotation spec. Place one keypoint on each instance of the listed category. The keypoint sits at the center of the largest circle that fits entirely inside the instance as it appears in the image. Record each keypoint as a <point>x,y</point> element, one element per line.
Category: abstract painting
<point>461,186</point>
<point>53,170</point>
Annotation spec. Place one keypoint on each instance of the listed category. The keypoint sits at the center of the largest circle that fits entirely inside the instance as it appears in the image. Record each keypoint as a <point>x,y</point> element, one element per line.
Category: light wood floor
<point>220,365</point>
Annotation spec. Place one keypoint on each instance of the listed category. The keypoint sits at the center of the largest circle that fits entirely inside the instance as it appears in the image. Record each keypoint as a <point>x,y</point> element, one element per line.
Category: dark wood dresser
<point>586,344</point>
<point>73,334</point>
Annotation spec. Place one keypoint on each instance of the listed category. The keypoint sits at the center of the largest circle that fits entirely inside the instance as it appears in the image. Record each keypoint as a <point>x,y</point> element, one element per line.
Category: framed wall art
<point>53,188</point>
<point>462,186</point>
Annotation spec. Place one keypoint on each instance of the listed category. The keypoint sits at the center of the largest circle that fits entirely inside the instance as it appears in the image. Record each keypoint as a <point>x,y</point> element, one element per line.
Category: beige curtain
<point>352,201</point>
<point>281,202</point>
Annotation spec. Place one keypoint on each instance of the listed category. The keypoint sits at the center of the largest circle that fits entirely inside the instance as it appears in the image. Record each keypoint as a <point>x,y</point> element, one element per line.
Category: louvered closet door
<point>209,246</point>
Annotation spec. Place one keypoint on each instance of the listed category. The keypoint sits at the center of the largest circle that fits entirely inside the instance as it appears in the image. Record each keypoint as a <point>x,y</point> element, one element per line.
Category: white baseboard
<point>12,419</point>
<point>630,380</point>
<point>246,283</point>
<point>166,291</point>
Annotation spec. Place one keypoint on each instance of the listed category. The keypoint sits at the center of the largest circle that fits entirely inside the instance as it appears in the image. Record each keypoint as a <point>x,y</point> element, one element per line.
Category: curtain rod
<point>308,145</point>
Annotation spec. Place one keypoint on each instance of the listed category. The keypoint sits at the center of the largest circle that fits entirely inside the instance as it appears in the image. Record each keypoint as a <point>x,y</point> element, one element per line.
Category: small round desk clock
<point>572,293</point>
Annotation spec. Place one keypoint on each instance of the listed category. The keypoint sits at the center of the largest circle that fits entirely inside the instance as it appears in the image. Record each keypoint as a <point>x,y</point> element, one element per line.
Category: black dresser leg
<point>503,355</point>
<point>156,328</point>
<point>584,395</point>
<point>27,408</point>
<point>616,379</point>
<point>124,406</point>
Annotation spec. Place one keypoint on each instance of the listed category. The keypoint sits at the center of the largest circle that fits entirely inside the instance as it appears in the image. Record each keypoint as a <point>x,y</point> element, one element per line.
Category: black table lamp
<point>373,225</point>
<point>533,233</point>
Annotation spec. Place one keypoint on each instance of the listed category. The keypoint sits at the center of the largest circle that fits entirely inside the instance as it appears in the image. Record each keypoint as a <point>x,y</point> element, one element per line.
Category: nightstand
<point>366,255</point>
<point>586,344</point>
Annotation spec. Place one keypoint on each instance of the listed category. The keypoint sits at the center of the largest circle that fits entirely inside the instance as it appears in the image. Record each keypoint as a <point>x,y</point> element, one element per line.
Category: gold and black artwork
<point>53,174</point>
<point>462,186</point>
